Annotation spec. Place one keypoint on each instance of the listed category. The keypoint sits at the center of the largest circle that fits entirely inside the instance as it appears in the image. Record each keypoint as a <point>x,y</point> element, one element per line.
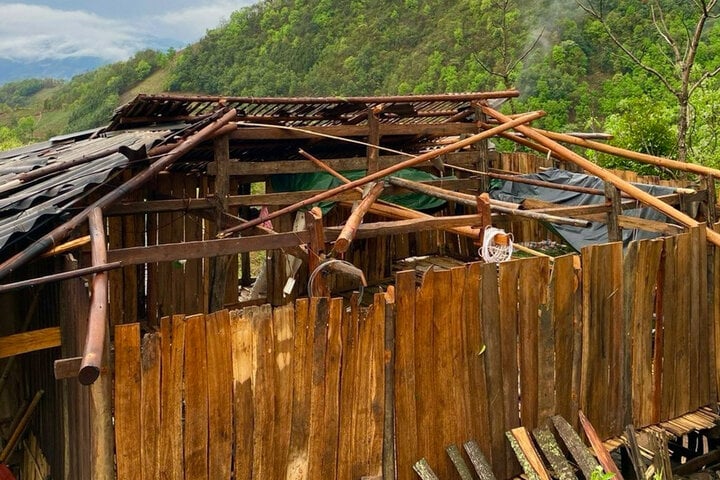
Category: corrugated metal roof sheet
<point>25,205</point>
<point>302,111</point>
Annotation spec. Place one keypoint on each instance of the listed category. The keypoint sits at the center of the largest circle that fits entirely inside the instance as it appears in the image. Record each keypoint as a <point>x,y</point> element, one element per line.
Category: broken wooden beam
<point>388,171</point>
<point>603,456</point>
<point>527,455</point>
<point>605,175</point>
<point>351,225</point>
<point>98,316</point>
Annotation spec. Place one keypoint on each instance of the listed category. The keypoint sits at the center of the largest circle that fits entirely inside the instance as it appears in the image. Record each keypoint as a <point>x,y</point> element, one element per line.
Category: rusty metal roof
<point>28,203</point>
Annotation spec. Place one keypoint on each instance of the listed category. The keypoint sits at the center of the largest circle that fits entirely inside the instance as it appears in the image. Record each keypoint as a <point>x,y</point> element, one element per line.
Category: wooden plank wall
<point>299,391</point>
<point>258,392</point>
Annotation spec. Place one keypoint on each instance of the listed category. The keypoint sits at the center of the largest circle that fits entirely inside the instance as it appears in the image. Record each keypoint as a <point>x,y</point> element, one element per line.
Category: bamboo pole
<point>60,233</point>
<point>385,172</point>
<point>603,174</point>
<point>348,232</point>
<point>97,318</point>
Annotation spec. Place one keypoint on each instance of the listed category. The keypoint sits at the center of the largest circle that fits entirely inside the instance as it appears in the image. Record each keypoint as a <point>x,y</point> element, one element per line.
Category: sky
<point>37,30</point>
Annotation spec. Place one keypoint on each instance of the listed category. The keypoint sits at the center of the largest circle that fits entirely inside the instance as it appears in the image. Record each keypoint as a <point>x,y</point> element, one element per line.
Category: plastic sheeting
<point>578,237</point>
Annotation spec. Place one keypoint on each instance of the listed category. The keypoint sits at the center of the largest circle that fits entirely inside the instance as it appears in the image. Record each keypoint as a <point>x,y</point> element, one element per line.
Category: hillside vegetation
<point>557,54</point>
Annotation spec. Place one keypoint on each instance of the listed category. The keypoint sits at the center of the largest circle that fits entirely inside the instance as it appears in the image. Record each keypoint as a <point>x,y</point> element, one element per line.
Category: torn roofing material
<point>28,197</point>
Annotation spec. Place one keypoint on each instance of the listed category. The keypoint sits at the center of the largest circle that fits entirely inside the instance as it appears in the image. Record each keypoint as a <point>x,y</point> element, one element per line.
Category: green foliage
<point>600,474</point>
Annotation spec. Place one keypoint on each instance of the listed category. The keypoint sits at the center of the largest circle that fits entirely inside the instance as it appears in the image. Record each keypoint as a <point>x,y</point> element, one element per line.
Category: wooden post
<point>313,220</point>
<point>373,154</point>
<point>612,194</point>
<point>351,225</point>
<point>388,449</point>
<point>483,151</point>
<point>711,198</point>
<point>219,265</point>
<point>483,209</point>
<point>102,434</point>
<point>246,274</point>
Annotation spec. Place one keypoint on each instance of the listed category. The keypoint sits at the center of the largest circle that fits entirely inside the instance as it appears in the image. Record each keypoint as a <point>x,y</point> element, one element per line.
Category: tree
<point>506,44</point>
<point>680,36</point>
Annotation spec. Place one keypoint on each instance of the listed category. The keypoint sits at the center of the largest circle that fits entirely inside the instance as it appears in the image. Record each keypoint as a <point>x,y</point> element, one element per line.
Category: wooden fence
<point>474,351</point>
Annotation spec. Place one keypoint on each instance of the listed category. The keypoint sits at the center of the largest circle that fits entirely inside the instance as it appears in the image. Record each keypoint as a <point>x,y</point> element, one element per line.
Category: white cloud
<point>190,23</point>
<point>34,32</point>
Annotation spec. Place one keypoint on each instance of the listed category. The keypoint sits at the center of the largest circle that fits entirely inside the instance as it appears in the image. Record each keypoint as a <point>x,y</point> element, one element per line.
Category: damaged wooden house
<point>227,287</point>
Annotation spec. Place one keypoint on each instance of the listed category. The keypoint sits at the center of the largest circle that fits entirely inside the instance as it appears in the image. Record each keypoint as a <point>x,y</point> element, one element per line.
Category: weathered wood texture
<point>258,392</point>
<point>298,391</point>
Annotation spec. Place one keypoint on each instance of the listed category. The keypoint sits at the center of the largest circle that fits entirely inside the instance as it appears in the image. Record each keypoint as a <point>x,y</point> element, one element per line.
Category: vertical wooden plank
<point>474,359</point>
<point>284,329</point>
<point>164,269</point>
<point>508,281</point>
<point>349,389</point>
<point>331,415</point>
<point>220,394</point>
<point>193,284</point>
<point>448,409</point>
<point>115,276</point>
<point>196,399</point>
<point>172,461</point>
<point>603,337</point>
<point>319,311</point>
<point>263,381</point>
<point>424,370</point>
<point>369,429</point>
<point>405,414</point>
<point>641,265</point>
<point>531,295</point>
<point>494,370</point>
<point>127,399</point>
<point>700,330</point>
<point>670,370</point>
<point>299,432</point>
<point>683,321</point>
<point>243,414</point>
<point>150,406</point>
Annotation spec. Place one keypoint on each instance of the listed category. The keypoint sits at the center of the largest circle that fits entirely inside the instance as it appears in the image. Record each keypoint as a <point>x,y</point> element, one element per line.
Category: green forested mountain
<point>560,54</point>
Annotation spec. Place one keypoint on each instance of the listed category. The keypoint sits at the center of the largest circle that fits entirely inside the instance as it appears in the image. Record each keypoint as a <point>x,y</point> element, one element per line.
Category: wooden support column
<point>246,274</point>
<point>483,152</point>
<point>373,154</point>
<point>612,194</point>
<point>219,265</point>
<point>314,223</point>
<point>483,209</point>
<point>710,205</point>
<point>95,357</point>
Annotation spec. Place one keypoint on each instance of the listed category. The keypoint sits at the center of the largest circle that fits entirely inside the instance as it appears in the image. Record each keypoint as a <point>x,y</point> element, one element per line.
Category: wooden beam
<point>206,249</point>
<point>351,225</point>
<point>243,168</point>
<point>373,153</point>
<point>32,341</point>
<point>98,316</point>
<point>386,129</point>
<point>262,199</point>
